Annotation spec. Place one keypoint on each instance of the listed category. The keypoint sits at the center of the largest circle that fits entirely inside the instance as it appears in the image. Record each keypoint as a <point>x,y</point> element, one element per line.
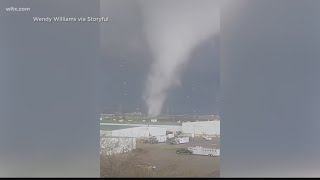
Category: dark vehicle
<point>183,151</point>
<point>147,140</point>
<point>178,133</point>
<point>153,140</point>
<point>150,140</point>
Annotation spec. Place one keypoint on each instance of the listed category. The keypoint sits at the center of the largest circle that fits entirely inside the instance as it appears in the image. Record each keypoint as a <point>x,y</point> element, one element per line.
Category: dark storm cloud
<point>270,85</point>
<point>126,58</point>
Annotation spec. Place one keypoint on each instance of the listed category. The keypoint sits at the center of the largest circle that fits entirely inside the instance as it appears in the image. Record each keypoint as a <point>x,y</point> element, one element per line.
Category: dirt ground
<point>164,157</point>
<point>170,164</point>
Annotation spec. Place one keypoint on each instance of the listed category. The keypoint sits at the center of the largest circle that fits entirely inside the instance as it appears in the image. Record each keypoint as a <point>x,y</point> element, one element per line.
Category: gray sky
<point>126,60</point>
<point>270,71</point>
<point>48,87</point>
<point>270,84</point>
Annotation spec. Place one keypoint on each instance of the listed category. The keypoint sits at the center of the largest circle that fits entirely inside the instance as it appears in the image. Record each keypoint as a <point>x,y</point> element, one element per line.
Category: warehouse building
<point>202,128</point>
<point>116,145</point>
<point>110,145</point>
<point>122,126</point>
<point>132,131</point>
<point>139,132</point>
<point>119,139</point>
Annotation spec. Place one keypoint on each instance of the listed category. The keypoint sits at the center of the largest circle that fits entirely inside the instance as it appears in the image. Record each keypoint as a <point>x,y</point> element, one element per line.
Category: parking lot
<point>169,164</point>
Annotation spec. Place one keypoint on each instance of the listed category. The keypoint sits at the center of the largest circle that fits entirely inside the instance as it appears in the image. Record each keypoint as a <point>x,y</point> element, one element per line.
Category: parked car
<point>146,140</point>
<point>158,139</point>
<point>180,140</point>
<point>207,137</point>
<point>183,151</point>
<point>170,136</point>
<point>148,167</point>
<point>178,133</point>
<point>204,136</point>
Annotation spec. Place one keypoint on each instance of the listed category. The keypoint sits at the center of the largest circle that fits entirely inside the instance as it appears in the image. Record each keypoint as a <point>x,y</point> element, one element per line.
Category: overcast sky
<point>126,59</point>
<point>270,86</point>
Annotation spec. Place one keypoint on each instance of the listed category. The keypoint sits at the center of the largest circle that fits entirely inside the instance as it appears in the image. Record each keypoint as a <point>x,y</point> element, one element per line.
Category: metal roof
<point>114,127</point>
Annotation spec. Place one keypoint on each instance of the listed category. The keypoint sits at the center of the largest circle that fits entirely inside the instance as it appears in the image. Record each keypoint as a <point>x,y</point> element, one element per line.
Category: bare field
<point>169,164</point>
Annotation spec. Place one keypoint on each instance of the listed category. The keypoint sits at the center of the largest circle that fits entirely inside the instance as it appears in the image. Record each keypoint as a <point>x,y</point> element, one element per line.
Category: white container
<point>161,139</point>
<point>182,140</point>
<point>170,136</point>
<point>204,151</point>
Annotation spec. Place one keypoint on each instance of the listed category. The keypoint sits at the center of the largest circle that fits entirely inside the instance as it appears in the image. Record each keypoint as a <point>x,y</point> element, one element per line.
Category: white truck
<point>180,140</point>
<point>208,138</point>
<point>170,135</point>
<point>204,151</point>
<point>158,139</point>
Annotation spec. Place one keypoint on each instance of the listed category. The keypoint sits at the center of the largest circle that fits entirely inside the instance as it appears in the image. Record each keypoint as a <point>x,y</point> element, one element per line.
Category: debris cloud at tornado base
<point>173,29</point>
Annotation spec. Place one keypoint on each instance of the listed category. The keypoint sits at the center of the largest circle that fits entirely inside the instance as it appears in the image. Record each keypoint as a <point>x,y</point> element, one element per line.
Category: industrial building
<point>116,145</point>
<point>201,127</point>
<point>113,126</point>
<point>131,131</point>
<point>119,139</point>
<point>139,132</point>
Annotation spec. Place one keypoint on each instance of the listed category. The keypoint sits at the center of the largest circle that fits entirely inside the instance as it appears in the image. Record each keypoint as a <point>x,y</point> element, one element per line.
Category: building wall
<point>168,127</point>
<point>116,145</point>
<point>136,132</point>
<point>139,132</point>
<point>200,128</point>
